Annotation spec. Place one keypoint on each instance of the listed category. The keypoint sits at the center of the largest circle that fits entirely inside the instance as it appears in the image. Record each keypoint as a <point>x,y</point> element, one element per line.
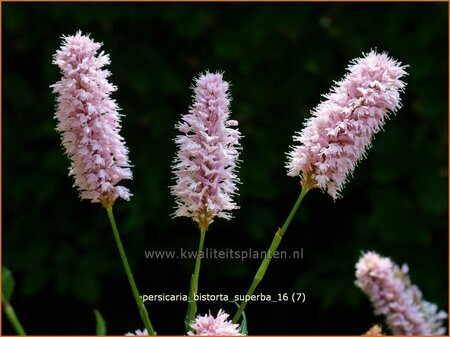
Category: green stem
<point>194,285</point>
<point>141,307</point>
<point>273,247</point>
<point>11,315</point>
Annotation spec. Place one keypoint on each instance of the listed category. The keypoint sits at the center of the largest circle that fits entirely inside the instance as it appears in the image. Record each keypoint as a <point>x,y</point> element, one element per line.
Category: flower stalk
<point>194,284</point>
<point>12,317</point>
<point>273,247</point>
<point>141,307</point>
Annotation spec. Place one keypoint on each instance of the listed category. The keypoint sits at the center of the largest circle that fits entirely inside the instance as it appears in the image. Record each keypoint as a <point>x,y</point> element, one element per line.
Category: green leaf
<point>7,283</point>
<point>192,308</point>
<point>244,329</point>
<point>100,325</point>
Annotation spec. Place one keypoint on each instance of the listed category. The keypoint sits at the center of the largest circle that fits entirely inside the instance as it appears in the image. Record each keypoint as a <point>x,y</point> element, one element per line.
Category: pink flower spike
<point>390,290</point>
<point>209,325</point>
<point>89,121</point>
<point>206,160</point>
<point>342,127</point>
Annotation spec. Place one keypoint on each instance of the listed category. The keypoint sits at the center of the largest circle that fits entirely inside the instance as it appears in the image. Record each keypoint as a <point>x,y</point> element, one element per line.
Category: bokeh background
<point>280,59</point>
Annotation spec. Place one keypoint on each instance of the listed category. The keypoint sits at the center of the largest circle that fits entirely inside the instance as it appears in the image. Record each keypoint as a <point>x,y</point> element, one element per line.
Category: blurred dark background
<point>280,59</point>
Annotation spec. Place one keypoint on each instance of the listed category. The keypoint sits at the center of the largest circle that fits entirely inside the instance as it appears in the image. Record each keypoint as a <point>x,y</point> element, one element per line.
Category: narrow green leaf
<point>100,325</point>
<point>244,329</point>
<point>192,308</point>
<point>7,283</point>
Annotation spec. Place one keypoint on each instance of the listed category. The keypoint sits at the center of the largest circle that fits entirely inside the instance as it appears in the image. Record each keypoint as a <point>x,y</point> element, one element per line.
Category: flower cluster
<point>341,129</point>
<point>138,333</point>
<point>89,121</point>
<point>209,325</point>
<point>390,290</point>
<point>207,154</point>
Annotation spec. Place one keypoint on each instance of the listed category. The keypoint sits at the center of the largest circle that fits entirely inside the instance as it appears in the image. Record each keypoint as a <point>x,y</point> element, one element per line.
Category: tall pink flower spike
<point>207,154</point>
<point>89,121</point>
<point>209,325</point>
<point>342,127</point>
<point>390,290</point>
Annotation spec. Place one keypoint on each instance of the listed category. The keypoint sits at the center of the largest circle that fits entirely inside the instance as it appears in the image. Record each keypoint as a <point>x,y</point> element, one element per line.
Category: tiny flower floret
<point>89,122</point>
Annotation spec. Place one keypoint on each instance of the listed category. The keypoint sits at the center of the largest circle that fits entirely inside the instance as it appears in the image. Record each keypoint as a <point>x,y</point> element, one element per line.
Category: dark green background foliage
<point>279,58</point>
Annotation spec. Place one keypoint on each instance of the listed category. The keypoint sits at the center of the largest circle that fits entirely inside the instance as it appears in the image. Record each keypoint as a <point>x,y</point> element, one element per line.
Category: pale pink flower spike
<point>390,290</point>
<point>207,154</point>
<point>89,121</point>
<point>209,325</point>
<point>342,127</point>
